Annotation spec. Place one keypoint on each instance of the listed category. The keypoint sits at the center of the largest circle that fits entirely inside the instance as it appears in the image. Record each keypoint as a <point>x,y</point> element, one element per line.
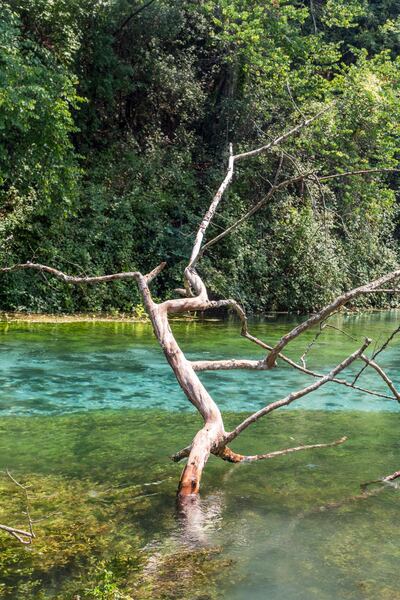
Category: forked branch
<point>212,438</point>
<point>324,313</point>
<point>25,537</point>
<point>296,395</point>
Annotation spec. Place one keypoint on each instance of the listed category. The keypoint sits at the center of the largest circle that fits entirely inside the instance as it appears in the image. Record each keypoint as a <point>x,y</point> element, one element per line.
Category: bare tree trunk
<point>213,431</point>
<point>212,438</point>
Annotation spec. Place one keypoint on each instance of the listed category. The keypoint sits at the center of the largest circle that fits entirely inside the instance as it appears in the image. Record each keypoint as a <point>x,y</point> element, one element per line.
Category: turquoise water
<point>57,369</point>
<point>89,417</point>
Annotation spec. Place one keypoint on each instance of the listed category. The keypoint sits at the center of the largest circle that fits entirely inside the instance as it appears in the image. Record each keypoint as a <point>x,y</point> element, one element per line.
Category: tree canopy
<point>115,123</point>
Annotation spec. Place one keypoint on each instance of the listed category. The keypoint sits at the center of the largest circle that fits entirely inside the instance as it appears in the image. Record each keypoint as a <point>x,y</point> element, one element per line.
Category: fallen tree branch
<point>212,438</point>
<point>229,364</point>
<point>386,479</point>
<point>284,136</point>
<point>229,175</point>
<point>211,210</point>
<point>250,212</point>
<point>375,354</point>
<point>295,395</point>
<point>84,280</point>
<point>276,187</point>
<point>261,365</point>
<point>25,537</point>
<point>228,454</point>
<point>327,311</point>
<point>365,493</point>
<point>383,375</point>
<point>359,172</point>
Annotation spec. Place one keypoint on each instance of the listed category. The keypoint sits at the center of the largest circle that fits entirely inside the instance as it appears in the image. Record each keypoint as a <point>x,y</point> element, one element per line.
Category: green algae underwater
<point>89,416</point>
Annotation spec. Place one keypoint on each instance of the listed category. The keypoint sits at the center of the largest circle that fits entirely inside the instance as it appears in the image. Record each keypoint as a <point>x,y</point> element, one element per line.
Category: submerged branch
<point>365,493</point>
<point>386,479</point>
<point>25,537</point>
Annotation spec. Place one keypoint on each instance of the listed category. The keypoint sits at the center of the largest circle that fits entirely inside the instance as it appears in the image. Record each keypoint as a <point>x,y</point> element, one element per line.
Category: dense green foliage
<point>114,127</point>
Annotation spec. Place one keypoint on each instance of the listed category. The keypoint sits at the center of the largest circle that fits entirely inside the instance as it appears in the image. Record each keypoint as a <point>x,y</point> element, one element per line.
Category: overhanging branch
<point>295,395</point>
<point>321,315</point>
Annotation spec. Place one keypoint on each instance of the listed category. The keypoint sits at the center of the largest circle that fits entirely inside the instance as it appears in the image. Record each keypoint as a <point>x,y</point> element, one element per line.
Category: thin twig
<point>25,537</point>
<point>375,354</point>
<point>296,395</point>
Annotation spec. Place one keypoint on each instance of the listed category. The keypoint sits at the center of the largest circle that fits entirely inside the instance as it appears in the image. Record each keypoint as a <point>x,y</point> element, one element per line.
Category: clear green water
<point>90,414</point>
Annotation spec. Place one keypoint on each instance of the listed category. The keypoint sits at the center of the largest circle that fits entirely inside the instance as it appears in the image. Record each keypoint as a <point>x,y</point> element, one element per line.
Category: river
<point>89,414</point>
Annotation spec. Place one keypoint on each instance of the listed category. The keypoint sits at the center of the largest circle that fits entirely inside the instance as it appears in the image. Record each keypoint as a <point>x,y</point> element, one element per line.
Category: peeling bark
<point>227,454</point>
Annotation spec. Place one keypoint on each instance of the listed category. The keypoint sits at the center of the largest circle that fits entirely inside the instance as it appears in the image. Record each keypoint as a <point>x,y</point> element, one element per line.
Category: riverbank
<point>142,318</point>
<point>10,317</point>
<point>71,318</point>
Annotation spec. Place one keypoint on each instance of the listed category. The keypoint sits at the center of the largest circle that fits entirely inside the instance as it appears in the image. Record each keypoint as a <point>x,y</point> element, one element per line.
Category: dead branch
<point>229,175</point>
<point>84,280</point>
<point>296,395</point>
<point>365,493</point>
<point>276,187</point>
<point>230,364</point>
<point>386,479</point>
<point>261,365</point>
<point>375,354</point>
<point>211,211</point>
<point>311,345</point>
<point>359,172</point>
<point>383,375</point>
<point>227,454</point>
<point>252,211</point>
<point>25,537</point>
<point>284,136</point>
<point>339,302</point>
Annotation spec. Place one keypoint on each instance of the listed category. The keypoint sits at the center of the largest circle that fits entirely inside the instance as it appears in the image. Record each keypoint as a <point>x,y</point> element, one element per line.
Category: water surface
<point>90,415</point>
<point>56,369</point>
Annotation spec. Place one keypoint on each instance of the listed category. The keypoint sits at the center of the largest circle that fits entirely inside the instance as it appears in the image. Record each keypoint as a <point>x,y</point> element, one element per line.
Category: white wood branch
<point>383,375</point>
<point>230,364</point>
<point>211,210</point>
<point>283,137</point>
<point>229,175</point>
<point>295,395</point>
<point>74,280</point>
<point>327,310</point>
